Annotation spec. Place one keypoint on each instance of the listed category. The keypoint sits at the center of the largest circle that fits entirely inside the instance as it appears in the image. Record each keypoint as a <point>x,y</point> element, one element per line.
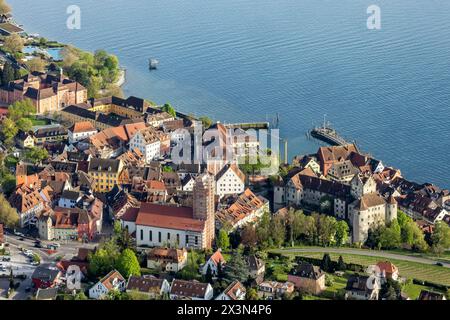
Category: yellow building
<point>105,172</point>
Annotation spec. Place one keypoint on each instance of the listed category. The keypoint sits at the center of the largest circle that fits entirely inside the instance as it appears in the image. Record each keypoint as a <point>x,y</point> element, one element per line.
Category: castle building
<point>369,209</point>
<point>48,93</point>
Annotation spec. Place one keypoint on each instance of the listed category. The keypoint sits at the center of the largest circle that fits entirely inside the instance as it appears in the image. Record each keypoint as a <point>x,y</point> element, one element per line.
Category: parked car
<point>6,259</point>
<point>440,264</point>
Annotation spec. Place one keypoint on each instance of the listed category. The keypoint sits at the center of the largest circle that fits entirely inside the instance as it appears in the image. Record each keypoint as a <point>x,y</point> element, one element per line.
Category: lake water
<point>237,60</point>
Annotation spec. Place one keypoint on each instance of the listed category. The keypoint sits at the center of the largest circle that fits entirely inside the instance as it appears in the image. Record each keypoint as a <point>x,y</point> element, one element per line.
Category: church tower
<point>204,205</point>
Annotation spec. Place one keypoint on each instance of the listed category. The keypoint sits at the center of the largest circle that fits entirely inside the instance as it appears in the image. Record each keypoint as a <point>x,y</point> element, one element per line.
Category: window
<point>187,240</point>
<point>150,235</point>
<point>178,238</point>
<point>196,240</point>
<point>159,237</point>
<point>142,234</point>
<point>168,235</point>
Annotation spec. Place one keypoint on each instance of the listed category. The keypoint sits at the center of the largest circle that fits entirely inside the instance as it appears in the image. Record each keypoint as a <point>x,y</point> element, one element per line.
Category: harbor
<point>328,134</point>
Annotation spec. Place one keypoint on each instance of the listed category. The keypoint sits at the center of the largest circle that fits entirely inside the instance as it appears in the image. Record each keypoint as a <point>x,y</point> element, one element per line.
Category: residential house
<point>257,268</point>
<point>230,180</point>
<point>29,202</point>
<point>190,290</point>
<point>112,281</point>
<point>329,155</point>
<point>69,199</point>
<point>105,173</point>
<point>307,278</point>
<point>25,139</point>
<point>387,270</point>
<point>214,263</point>
<point>147,141</point>
<point>45,276</point>
<point>362,288</point>
<point>80,131</point>
<point>234,292</point>
<point>153,287</point>
<point>50,134</point>
<point>274,289</point>
<point>168,259</point>
<point>429,295</point>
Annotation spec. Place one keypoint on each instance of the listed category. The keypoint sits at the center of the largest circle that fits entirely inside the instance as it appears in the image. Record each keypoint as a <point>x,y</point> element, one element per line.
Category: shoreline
<point>123,79</point>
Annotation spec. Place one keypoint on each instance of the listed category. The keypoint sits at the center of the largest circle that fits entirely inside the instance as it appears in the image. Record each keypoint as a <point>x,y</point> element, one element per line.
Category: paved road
<point>67,249</point>
<point>381,254</point>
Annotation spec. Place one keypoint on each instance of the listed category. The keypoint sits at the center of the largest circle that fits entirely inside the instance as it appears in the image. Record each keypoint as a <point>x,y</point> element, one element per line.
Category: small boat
<point>153,64</point>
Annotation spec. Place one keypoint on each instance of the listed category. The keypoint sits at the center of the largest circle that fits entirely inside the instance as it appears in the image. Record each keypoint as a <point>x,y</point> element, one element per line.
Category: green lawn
<point>38,122</point>
<point>413,290</point>
<point>337,290</point>
<point>420,271</point>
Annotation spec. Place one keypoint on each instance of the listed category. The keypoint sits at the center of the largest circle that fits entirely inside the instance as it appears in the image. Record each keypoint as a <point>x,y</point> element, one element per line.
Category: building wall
<point>308,285</point>
<point>169,237</point>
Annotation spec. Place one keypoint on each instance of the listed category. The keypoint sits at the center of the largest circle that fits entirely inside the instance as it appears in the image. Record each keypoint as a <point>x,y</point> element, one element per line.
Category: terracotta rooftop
<point>171,217</point>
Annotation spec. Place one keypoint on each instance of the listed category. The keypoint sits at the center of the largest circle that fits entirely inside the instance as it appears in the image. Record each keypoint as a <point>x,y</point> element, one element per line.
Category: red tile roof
<point>170,217</point>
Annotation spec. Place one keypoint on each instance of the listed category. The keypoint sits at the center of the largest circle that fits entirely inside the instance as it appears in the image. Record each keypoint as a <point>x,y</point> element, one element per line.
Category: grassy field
<point>420,271</point>
<point>38,122</point>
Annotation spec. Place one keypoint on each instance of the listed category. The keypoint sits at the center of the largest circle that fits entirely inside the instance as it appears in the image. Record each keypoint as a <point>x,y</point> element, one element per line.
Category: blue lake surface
<point>243,60</point>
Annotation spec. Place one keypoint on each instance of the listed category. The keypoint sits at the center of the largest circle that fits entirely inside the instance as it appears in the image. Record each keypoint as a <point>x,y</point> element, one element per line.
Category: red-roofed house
<point>387,270</point>
<point>80,131</point>
<point>215,261</point>
<point>112,281</point>
<point>235,291</point>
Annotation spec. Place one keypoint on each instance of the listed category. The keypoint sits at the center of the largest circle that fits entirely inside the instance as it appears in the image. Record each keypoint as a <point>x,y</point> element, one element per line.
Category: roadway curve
<point>380,254</point>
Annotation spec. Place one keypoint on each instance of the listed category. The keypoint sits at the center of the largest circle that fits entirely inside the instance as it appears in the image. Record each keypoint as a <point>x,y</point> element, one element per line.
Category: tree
<point>341,266</point>
<point>251,294</point>
<point>169,109</point>
<point>206,122</point>
<point>237,268</point>
<point>8,73</point>
<point>341,232</point>
<point>223,241</point>
<point>326,264</point>
<point>4,7</point>
<point>248,236</point>
<point>208,275</point>
<point>190,271</point>
<point>278,231</point>
<point>7,182</point>
<point>390,237</point>
<point>128,264</point>
<point>36,64</point>
<point>13,43</point>
<point>36,155</point>
<point>24,124</point>
<point>441,237</point>
<point>8,215</point>
<point>104,259</point>
<point>263,230</point>
<point>8,130</point>
<point>20,109</point>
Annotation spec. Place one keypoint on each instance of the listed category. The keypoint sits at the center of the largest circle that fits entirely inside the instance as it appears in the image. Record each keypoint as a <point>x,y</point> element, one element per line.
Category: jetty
<point>327,134</point>
<point>248,125</point>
